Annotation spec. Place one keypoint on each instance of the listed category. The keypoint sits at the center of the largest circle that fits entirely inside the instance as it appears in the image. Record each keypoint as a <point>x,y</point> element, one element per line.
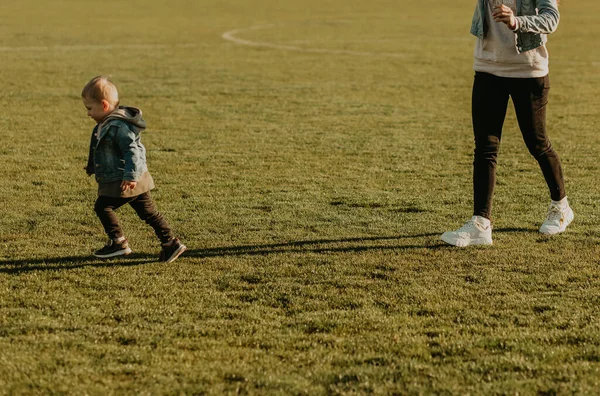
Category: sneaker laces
<point>468,224</point>
<point>554,213</point>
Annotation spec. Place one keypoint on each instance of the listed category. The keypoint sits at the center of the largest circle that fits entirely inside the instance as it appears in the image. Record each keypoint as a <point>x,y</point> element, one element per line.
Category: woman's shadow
<point>306,246</point>
<point>344,245</point>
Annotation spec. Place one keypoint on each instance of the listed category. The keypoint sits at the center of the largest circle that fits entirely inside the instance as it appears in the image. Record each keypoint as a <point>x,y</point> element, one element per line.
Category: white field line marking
<point>231,36</point>
<point>93,47</point>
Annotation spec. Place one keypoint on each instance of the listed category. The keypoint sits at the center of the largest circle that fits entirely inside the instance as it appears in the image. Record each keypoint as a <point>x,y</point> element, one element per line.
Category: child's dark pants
<point>489,105</point>
<point>143,206</point>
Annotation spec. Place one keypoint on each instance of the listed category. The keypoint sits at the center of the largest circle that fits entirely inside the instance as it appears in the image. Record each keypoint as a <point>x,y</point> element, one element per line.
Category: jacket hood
<point>131,115</point>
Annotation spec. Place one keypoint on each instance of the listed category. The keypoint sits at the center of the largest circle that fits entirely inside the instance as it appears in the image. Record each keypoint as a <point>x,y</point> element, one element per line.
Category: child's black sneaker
<point>169,253</point>
<point>113,249</point>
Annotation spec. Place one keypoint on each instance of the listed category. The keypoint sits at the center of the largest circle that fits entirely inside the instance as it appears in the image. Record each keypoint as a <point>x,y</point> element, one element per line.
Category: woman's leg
<point>530,97</point>
<point>489,104</point>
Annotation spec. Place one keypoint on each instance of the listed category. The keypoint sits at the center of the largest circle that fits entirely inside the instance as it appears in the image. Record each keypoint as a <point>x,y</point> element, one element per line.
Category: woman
<point>511,60</point>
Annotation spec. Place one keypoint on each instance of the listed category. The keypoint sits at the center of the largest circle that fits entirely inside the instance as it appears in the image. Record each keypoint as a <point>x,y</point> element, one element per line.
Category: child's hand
<point>505,14</point>
<point>128,184</point>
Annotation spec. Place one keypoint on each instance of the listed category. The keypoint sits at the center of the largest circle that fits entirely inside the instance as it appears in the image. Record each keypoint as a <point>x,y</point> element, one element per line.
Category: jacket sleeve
<point>89,169</point>
<point>133,153</point>
<point>545,22</point>
<point>478,23</point>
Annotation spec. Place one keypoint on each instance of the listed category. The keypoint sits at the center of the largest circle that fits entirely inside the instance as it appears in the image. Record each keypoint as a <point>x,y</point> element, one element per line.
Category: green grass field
<point>310,154</point>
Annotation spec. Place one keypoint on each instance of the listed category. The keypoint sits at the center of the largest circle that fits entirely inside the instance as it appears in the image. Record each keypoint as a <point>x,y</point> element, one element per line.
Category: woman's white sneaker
<point>477,231</point>
<point>560,215</point>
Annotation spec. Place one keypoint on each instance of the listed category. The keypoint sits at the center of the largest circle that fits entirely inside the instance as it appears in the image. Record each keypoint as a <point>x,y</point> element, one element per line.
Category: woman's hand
<point>128,185</point>
<point>505,14</point>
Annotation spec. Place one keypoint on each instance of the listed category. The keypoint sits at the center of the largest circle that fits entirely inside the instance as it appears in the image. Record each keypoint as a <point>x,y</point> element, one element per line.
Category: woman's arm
<point>545,22</point>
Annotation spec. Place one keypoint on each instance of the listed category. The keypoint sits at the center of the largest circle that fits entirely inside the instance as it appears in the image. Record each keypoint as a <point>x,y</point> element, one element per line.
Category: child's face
<point>97,110</point>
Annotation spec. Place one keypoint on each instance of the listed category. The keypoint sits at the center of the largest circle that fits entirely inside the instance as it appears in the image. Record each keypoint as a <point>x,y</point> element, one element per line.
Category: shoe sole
<point>123,252</point>
<point>176,254</point>
<point>569,220</point>
<point>469,242</point>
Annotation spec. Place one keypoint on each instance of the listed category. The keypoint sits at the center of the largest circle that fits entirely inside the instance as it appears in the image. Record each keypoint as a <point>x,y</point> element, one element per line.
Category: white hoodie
<point>496,53</point>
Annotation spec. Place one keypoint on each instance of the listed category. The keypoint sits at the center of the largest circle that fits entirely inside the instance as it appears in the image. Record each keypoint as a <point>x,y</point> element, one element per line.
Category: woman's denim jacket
<point>116,151</point>
<point>536,19</point>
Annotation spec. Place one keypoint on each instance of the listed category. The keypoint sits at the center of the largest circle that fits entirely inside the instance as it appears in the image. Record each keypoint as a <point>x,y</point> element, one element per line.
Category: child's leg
<point>530,97</point>
<point>489,104</point>
<point>144,206</point>
<point>104,208</point>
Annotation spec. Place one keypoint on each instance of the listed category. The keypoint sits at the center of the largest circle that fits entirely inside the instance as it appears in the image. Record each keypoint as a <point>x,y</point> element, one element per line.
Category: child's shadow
<point>308,246</point>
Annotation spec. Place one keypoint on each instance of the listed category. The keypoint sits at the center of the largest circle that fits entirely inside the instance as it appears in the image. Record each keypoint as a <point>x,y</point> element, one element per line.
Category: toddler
<point>117,158</point>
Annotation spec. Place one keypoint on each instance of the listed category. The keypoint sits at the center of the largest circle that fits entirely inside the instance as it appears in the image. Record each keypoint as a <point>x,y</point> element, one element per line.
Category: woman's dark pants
<point>489,105</point>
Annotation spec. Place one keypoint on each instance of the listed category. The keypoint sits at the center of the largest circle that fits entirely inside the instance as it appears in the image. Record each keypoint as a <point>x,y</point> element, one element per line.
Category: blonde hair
<point>101,88</point>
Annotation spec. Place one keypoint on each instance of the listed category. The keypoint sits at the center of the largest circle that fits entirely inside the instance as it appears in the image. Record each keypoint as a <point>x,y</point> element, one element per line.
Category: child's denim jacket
<point>536,19</point>
<point>116,151</point>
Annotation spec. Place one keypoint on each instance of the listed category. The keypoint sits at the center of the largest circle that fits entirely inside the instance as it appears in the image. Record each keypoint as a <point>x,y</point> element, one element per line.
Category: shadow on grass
<point>514,230</point>
<point>309,246</point>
